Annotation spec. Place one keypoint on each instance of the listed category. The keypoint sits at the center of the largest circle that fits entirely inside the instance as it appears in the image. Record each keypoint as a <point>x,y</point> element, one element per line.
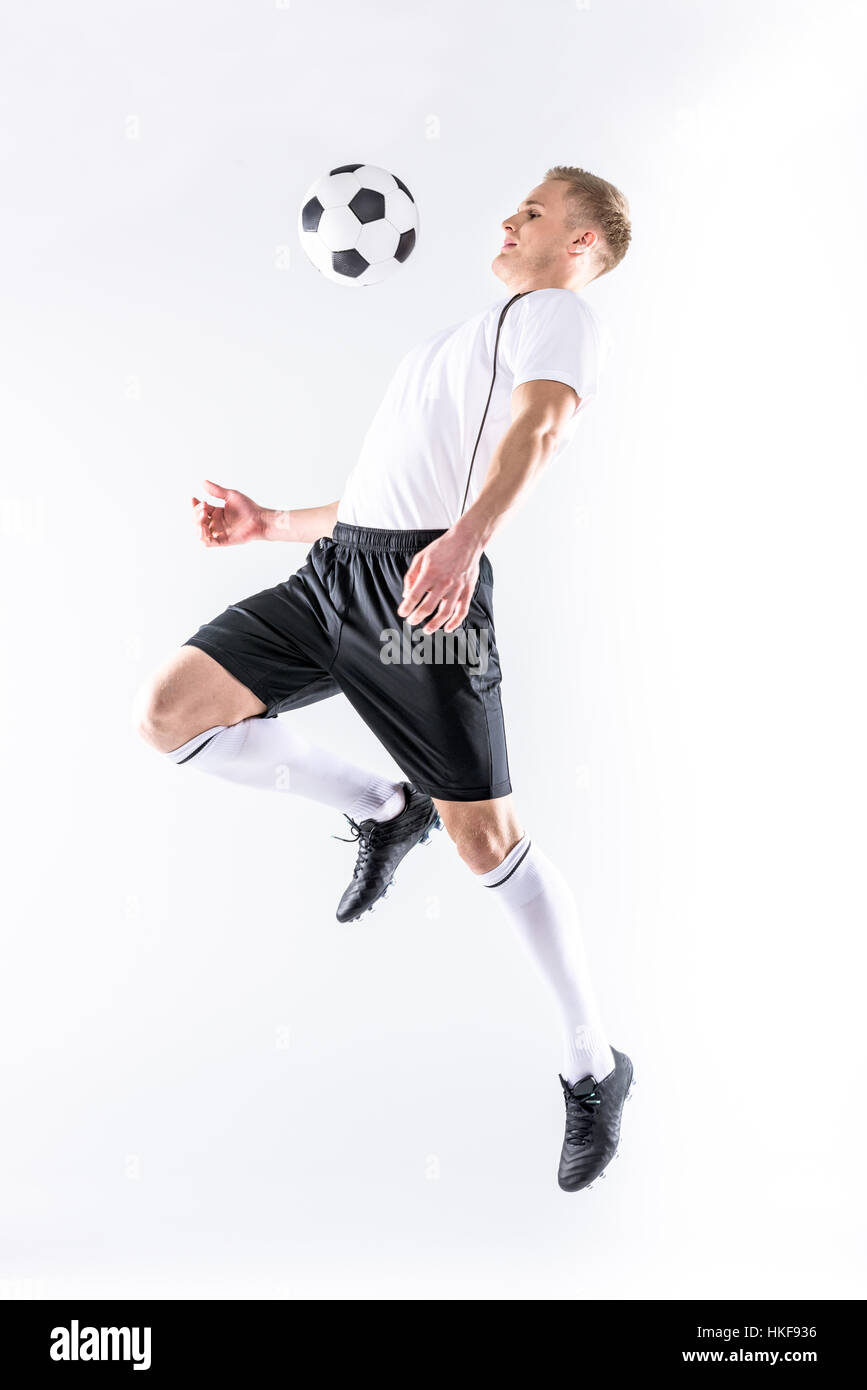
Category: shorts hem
<point>486,793</point>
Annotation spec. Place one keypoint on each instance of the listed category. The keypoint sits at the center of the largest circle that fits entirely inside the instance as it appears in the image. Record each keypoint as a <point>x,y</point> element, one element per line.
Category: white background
<point>211,1088</point>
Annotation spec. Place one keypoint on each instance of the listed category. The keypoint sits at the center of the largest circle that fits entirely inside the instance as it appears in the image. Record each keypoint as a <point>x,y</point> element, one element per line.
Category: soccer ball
<point>358,224</point>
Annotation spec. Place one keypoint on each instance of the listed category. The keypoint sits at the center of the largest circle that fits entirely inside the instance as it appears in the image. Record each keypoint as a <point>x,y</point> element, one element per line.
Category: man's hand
<point>440,582</point>
<point>239,519</point>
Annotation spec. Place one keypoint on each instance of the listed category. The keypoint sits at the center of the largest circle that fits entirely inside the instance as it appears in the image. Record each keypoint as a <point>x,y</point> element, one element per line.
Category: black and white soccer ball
<point>358,224</point>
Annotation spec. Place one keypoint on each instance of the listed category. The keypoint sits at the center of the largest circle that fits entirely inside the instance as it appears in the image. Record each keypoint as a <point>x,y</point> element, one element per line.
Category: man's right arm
<point>300,524</point>
<point>235,518</point>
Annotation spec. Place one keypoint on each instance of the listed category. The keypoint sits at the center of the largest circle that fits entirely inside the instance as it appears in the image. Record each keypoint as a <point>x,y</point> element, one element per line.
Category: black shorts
<point>333,627</point>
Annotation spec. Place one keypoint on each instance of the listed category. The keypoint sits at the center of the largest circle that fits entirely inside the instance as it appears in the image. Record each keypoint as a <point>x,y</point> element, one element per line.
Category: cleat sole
<point>437,825</point>
<point>367,911</point>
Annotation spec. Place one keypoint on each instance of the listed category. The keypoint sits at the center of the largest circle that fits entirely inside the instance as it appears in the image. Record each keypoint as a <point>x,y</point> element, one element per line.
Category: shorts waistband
<point>375,538</point>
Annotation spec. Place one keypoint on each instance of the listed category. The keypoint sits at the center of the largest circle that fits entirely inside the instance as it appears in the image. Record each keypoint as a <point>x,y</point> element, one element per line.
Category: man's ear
<point>585,242</point>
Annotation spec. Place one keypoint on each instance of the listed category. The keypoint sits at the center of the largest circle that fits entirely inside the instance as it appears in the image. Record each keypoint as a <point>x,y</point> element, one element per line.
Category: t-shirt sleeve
<point>554,336</point>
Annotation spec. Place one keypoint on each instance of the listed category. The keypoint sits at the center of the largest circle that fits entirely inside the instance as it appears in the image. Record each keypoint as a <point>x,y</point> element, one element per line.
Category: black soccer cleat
<point>381,847</point>
<point>593,1113</point>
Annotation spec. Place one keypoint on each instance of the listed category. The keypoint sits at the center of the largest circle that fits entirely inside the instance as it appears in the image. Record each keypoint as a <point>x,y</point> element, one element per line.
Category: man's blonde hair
<point>601,206</point>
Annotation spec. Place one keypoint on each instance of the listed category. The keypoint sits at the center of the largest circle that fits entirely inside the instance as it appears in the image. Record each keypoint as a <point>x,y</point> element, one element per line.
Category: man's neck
<point>525,286</point>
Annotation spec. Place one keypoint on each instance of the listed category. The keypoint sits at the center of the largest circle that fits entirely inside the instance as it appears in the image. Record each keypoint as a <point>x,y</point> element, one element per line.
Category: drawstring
<point>490,393</point>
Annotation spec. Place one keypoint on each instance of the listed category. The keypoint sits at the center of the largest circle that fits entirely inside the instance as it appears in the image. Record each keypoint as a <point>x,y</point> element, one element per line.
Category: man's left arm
<point>441,579</point>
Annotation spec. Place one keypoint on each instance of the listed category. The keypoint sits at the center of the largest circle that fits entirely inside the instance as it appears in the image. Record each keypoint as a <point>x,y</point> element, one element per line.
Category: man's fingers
<point>210,522</point>
<point>440,602</point>
<point>409,602</point>
<point>413,588</point>
<point>413,567</point>
<point>442,612</point>
<point>416,609</point>
<point>200,521</point>
<point>411,597</point>
<point>214,490</point>
<point>422,596</point>
<point>460,610</point>
<point>419,602</point>
<point>451,611</point>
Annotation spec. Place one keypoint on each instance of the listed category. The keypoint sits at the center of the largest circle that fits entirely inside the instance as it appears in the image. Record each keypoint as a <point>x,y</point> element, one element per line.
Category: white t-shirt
<point>412,469</point>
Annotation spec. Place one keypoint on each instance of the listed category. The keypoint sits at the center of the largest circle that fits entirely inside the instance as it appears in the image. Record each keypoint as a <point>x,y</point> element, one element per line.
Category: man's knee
<point>483,835</point>
<point>167,707</point>
<point>159,715</point>
<point>483,852</point>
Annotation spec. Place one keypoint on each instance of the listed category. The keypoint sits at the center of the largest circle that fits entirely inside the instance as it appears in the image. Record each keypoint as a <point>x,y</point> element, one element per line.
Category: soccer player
<point>469,421</point>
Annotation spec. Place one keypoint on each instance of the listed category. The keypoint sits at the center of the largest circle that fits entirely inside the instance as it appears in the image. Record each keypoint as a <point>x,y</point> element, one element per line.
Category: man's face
<point>537,239</point>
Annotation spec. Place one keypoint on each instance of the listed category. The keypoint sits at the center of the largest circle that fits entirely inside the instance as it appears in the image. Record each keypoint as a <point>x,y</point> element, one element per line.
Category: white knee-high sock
<point>536,896</point>
<point>267,753</point>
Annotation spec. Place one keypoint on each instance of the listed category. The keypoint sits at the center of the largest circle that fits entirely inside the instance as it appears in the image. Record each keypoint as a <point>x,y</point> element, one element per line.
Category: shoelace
<point>381,833</point>
<point>378,834</point>
<point>365,842</point>
<point>580,1113</point>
